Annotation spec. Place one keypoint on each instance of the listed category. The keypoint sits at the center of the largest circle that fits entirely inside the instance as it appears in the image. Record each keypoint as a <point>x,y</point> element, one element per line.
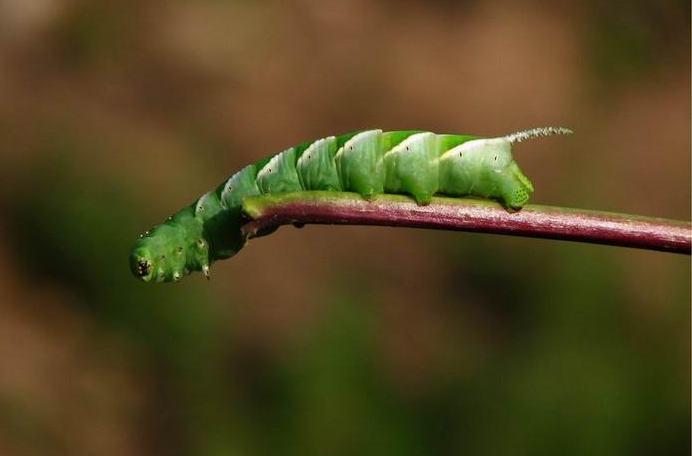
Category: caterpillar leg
<point>514,187</point>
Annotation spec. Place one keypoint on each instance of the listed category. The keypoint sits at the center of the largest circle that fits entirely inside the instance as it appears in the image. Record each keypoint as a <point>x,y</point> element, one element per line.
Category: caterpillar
<point>369,162</point>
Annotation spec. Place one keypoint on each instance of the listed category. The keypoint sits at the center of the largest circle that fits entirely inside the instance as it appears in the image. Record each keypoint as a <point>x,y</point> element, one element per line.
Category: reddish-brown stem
<point>268,212</point>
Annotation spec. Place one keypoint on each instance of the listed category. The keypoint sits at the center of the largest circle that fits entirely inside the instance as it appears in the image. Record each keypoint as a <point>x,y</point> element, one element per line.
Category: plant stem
<point>268,212</point>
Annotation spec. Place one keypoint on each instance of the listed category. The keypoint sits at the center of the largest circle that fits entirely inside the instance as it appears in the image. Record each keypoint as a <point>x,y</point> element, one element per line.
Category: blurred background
<point>338,340</point>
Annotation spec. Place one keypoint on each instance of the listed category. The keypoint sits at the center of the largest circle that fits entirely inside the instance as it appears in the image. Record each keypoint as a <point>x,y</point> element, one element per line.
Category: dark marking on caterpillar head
<point>142,269</point>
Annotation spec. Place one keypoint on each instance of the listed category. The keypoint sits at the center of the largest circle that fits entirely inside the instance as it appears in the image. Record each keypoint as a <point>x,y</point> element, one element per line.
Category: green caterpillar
<point>370,162</point>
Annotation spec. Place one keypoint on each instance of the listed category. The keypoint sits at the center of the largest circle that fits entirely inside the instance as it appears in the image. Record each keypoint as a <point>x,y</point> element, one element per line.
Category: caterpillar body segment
<point>238,187</point>
<point>369,162</point>
<point>412,166</point>
<point>359,162</point>
<point>316,166</point>
<point>279,175</point>
<point>482,168</point>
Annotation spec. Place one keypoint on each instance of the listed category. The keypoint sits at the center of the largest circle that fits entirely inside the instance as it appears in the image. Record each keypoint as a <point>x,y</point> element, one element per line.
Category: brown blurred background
<point>338,340</point>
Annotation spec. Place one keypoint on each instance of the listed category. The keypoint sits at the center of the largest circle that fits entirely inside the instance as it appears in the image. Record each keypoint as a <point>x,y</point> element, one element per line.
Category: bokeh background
<point>338,340</point>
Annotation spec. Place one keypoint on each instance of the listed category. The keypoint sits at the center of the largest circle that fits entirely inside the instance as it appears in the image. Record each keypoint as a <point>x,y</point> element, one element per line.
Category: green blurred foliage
<point>91,35</point>
<point>631,39</point>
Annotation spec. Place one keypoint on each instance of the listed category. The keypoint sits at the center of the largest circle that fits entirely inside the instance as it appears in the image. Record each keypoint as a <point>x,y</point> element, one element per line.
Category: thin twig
<point>268,212</point>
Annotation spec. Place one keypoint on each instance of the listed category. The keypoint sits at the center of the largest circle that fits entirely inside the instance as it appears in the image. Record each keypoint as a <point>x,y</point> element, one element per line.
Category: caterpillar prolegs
<point>370,162</point>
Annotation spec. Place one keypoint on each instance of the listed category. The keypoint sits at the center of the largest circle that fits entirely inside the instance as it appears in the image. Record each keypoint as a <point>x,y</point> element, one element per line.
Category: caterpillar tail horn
<point>538,132</point>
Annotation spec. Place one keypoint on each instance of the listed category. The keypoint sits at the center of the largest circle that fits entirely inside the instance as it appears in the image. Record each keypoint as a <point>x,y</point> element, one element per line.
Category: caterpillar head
<point>142,261</point>
<point>165,254</point>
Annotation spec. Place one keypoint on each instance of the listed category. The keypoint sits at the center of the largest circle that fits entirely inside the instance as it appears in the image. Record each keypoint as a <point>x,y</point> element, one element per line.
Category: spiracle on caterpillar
<point>370,162</point>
